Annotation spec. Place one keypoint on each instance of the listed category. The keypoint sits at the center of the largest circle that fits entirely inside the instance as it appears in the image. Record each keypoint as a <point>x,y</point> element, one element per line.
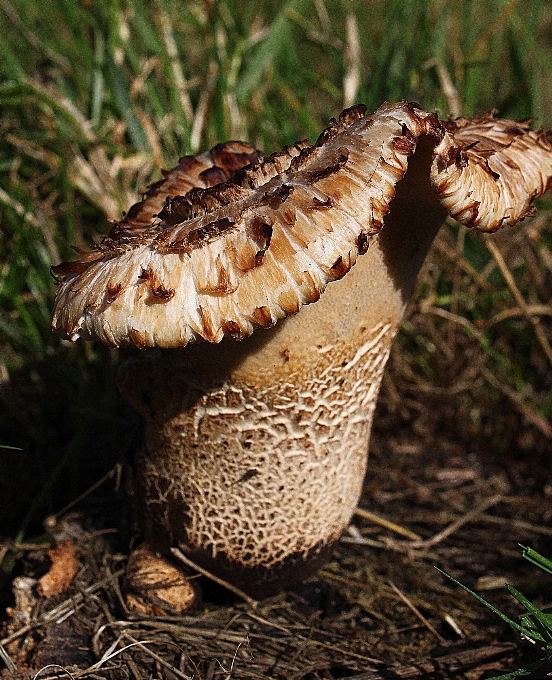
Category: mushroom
<point>255,451</point>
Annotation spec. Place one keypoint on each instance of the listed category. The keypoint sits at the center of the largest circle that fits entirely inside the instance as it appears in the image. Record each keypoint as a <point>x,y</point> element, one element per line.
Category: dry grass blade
<point>112,652</point>
<point>362,540</point>
<point>533,416</point>
<point>7,659</point>
<point>202,108</point>
<point>455,107</point>
<point>58,668</point>
<point>455,627</point>
<point>143,646</point>
<point>351,80</point>
<point>443,666</point>
<point>54,97</point>
<point>416,611</point>
<point>175,61</point>
<point>507,274</point>
<point>387,524</point>
<point>19,209</point>
<point>87,177</point>
<point>492,27</point>
<point>114,472</point>
<point>31,38</point>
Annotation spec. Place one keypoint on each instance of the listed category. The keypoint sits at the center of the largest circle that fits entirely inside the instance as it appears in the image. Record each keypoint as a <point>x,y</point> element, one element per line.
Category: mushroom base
<point>259,582</point>
<point>255,482</point>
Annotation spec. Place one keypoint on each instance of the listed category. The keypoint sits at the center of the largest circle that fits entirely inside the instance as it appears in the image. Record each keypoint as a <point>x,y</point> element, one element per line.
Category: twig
<point>518,524</point>
<point>460,320</point>
<point>447,531</point>
<point>271,624</point>
<point>335,648</point>
<point>418,613</point>
<point>460,261</point>
<point>221,582</point>
<point>192,632</point>
<point>533,310</point>
<point>532,415</point>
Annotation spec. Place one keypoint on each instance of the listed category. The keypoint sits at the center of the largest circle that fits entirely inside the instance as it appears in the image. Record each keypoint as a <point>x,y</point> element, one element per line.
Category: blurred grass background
<point>97,97</point>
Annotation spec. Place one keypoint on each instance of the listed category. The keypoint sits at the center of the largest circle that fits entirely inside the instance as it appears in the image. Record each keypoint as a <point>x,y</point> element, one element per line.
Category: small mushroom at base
<point>255,451</point>
<point>155,587</point>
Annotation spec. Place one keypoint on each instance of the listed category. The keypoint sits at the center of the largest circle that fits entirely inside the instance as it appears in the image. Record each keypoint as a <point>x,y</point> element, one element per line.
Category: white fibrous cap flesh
<point>232,240</point>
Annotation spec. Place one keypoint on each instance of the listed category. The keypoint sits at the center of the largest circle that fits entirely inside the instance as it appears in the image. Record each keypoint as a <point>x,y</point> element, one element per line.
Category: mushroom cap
<point>232,240</point>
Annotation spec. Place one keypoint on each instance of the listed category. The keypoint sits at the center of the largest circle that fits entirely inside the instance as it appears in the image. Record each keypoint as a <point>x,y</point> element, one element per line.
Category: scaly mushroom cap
<point>192,262</point>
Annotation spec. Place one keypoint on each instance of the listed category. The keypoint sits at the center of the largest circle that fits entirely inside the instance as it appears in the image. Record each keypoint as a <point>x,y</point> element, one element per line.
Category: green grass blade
<point>521,629</point>
<point>537,559</point>
<point>540,623</point>
<point>120,87</point>
<point>268,50</point>
<point>524,671</point>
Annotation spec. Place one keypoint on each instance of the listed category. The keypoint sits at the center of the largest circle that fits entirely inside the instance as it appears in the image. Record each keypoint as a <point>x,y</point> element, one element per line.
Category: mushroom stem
<point>255,453</point>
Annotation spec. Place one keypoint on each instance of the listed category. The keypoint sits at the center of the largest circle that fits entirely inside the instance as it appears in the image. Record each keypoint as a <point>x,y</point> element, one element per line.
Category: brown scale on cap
<point>202,171</point>
<point>156,286</point>
<point>255,451</point>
